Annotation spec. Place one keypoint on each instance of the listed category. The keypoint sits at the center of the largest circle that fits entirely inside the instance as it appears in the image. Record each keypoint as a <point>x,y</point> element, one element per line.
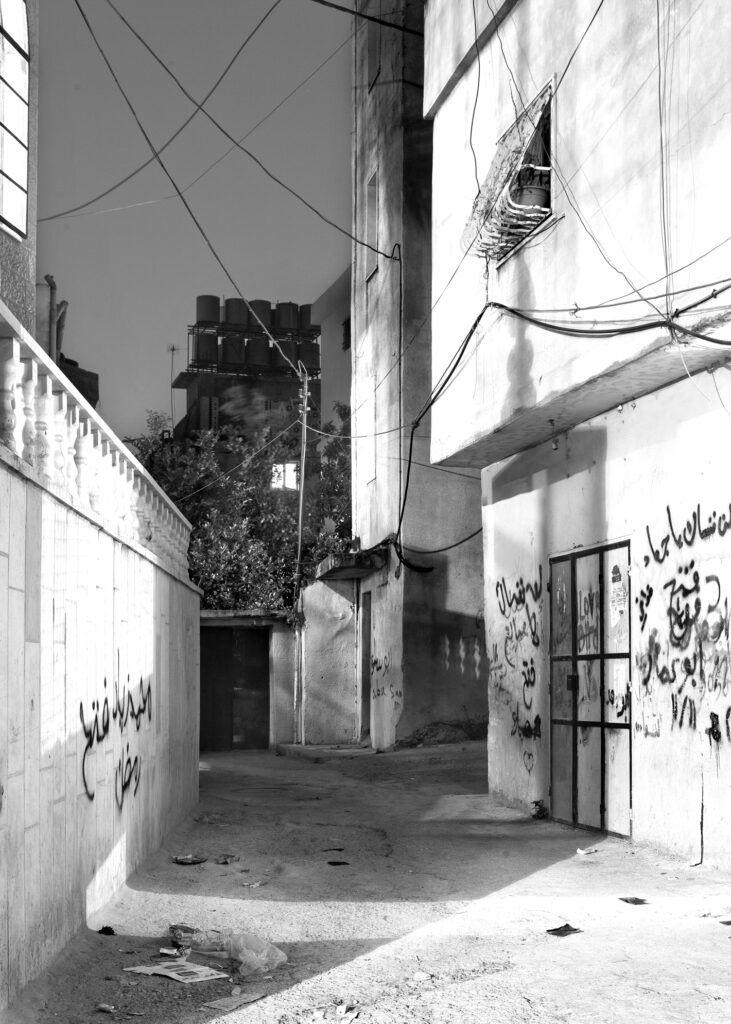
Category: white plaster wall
<point>330,693</point>
<point>607,148</point>
<point>281,682</point>
<point>99,676</point>
<point>651,473</point>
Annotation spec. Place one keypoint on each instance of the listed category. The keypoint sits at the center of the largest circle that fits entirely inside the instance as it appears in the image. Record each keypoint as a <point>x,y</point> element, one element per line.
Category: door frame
<point>602,657</point>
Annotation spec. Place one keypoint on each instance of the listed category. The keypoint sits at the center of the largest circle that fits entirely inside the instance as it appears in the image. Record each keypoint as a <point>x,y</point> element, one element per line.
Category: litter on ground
<point>182,971</point>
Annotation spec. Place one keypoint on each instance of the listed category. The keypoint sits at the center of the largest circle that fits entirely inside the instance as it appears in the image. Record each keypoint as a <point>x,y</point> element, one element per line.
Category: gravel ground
<point>400,892</point>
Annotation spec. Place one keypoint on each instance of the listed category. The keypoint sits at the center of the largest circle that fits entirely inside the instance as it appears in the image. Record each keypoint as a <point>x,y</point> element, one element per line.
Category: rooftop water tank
<point>263,311</point>
<point>237,312</point>
<point>233,350</point>
<point>258,352</point>
<point>205,348</point>
<point>309,353</point>
<point>305,316</point>
<point>287,316</point>
<point>207,309</point>
<point>285,349</point>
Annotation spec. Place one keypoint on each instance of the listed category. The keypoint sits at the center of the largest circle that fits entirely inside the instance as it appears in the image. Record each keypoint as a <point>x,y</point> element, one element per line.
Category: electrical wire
<point>182,198</point>
<point>238,145</point>
<point>448,547</point>
<point>266,117</point>
<point>371,17</point>
<point>477,96</point>
<point>353,437</point>
<point>571,198</point>
<point>576,48</point>
<point>218,160</point>
<point>183,126</point>
<point>240,465</point>
<point>608,304</point>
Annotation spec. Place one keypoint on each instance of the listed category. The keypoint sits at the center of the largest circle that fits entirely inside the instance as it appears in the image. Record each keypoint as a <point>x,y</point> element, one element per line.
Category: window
<point>516,195</point>
<point>14,86</point>
<point>346,335</point>
<point>372,225</point>
<point>285,476</point>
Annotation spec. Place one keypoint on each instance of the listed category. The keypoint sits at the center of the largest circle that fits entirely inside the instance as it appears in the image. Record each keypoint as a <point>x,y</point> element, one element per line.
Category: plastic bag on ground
<point>252,953</point>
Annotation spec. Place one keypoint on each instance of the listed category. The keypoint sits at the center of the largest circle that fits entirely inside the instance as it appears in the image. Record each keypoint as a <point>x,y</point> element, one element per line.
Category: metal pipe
<point>52,318</point>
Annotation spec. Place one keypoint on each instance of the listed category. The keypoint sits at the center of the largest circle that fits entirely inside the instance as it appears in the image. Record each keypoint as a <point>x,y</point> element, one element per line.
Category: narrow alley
<point>399,891</point>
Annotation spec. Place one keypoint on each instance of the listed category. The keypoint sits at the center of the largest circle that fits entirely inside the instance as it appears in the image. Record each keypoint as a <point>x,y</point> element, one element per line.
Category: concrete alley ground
<point>401,892</point>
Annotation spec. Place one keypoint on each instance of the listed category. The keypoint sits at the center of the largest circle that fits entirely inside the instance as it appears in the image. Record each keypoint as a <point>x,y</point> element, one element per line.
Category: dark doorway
<point>234,688</point>
<point>591,737</point>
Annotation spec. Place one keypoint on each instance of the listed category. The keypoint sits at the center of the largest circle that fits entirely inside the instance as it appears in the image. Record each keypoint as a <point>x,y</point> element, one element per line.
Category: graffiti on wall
<point>512,658</point>
<point>124,712</point>
<point>683,607</point>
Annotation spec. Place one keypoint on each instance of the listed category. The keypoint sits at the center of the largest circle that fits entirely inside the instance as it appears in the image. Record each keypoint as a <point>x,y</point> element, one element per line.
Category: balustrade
<point>50,429</point>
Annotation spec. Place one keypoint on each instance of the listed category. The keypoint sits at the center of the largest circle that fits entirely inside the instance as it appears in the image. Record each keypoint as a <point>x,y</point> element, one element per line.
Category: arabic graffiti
<point>514,605</point>
<point>381,664</point>
<point>124,774</point>
<point>683,608</point>
<point>512,661</point>
<point>103,718</point>
<point>691,532</point>
<point>526,730</point>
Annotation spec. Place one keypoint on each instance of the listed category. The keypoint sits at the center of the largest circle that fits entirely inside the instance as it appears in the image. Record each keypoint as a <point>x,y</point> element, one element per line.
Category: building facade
<point>420,648</point>
<point>575,221</point>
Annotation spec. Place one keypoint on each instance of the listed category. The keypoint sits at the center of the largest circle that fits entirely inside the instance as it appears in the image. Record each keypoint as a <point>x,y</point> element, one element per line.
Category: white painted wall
<point>99,663</point>
<point>330,691</point>
<point>607,148</point>
<point>615,477</point>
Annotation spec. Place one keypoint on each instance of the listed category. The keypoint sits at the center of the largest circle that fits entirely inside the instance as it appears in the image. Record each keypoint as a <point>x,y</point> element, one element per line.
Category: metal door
<point>590,686</point>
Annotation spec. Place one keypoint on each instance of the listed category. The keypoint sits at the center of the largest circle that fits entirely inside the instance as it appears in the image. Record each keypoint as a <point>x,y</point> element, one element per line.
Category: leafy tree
<point>243,547</point>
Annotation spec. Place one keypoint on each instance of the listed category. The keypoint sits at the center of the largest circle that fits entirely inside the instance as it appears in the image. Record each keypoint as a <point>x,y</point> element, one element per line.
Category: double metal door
<point>591,714</point>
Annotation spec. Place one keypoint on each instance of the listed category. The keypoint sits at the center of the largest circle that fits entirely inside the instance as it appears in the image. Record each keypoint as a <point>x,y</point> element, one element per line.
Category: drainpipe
<point>51,317</point>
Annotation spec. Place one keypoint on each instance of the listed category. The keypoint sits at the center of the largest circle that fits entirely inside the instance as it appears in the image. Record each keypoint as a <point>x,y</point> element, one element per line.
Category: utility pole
<point>304,395</point>
<point>298,682</point>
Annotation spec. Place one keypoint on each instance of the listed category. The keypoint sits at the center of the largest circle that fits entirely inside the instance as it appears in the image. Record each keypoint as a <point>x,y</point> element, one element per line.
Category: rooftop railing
<point>51,434</point>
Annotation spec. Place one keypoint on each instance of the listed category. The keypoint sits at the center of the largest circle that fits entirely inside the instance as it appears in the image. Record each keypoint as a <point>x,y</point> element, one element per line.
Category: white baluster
<point>84,448</point>
<point>143,512</point>
<point>121,508</point>
<point>29,387</point>
<point>134,504</point>
<point>44,427</point>
<point>9,375</point>
<point>60,440</point>
<point>72,433</point>
<point>94,453</point>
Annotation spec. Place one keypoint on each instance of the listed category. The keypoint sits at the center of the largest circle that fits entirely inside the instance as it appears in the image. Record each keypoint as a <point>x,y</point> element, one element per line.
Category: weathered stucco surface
<point>331,705</point>
<point>417,621</point>
<point>622,478</point>
<point>606,147</point>
<point>98,717</point>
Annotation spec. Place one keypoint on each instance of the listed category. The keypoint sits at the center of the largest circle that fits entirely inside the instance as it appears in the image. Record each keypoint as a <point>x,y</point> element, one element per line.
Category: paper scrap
<point>183,971</point>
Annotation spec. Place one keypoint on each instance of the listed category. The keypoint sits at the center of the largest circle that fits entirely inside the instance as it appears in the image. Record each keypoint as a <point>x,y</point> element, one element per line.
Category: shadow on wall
<point>521,392</point>
<point>564,517</point>
<point>79,814</point>
<point>445,667</point>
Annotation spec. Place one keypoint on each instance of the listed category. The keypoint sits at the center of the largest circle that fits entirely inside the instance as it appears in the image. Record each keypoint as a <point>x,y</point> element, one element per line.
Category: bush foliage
<point>243,548</point>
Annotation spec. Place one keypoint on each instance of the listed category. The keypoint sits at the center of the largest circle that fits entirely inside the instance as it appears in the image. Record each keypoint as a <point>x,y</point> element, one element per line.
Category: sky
<point>131,275</point>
